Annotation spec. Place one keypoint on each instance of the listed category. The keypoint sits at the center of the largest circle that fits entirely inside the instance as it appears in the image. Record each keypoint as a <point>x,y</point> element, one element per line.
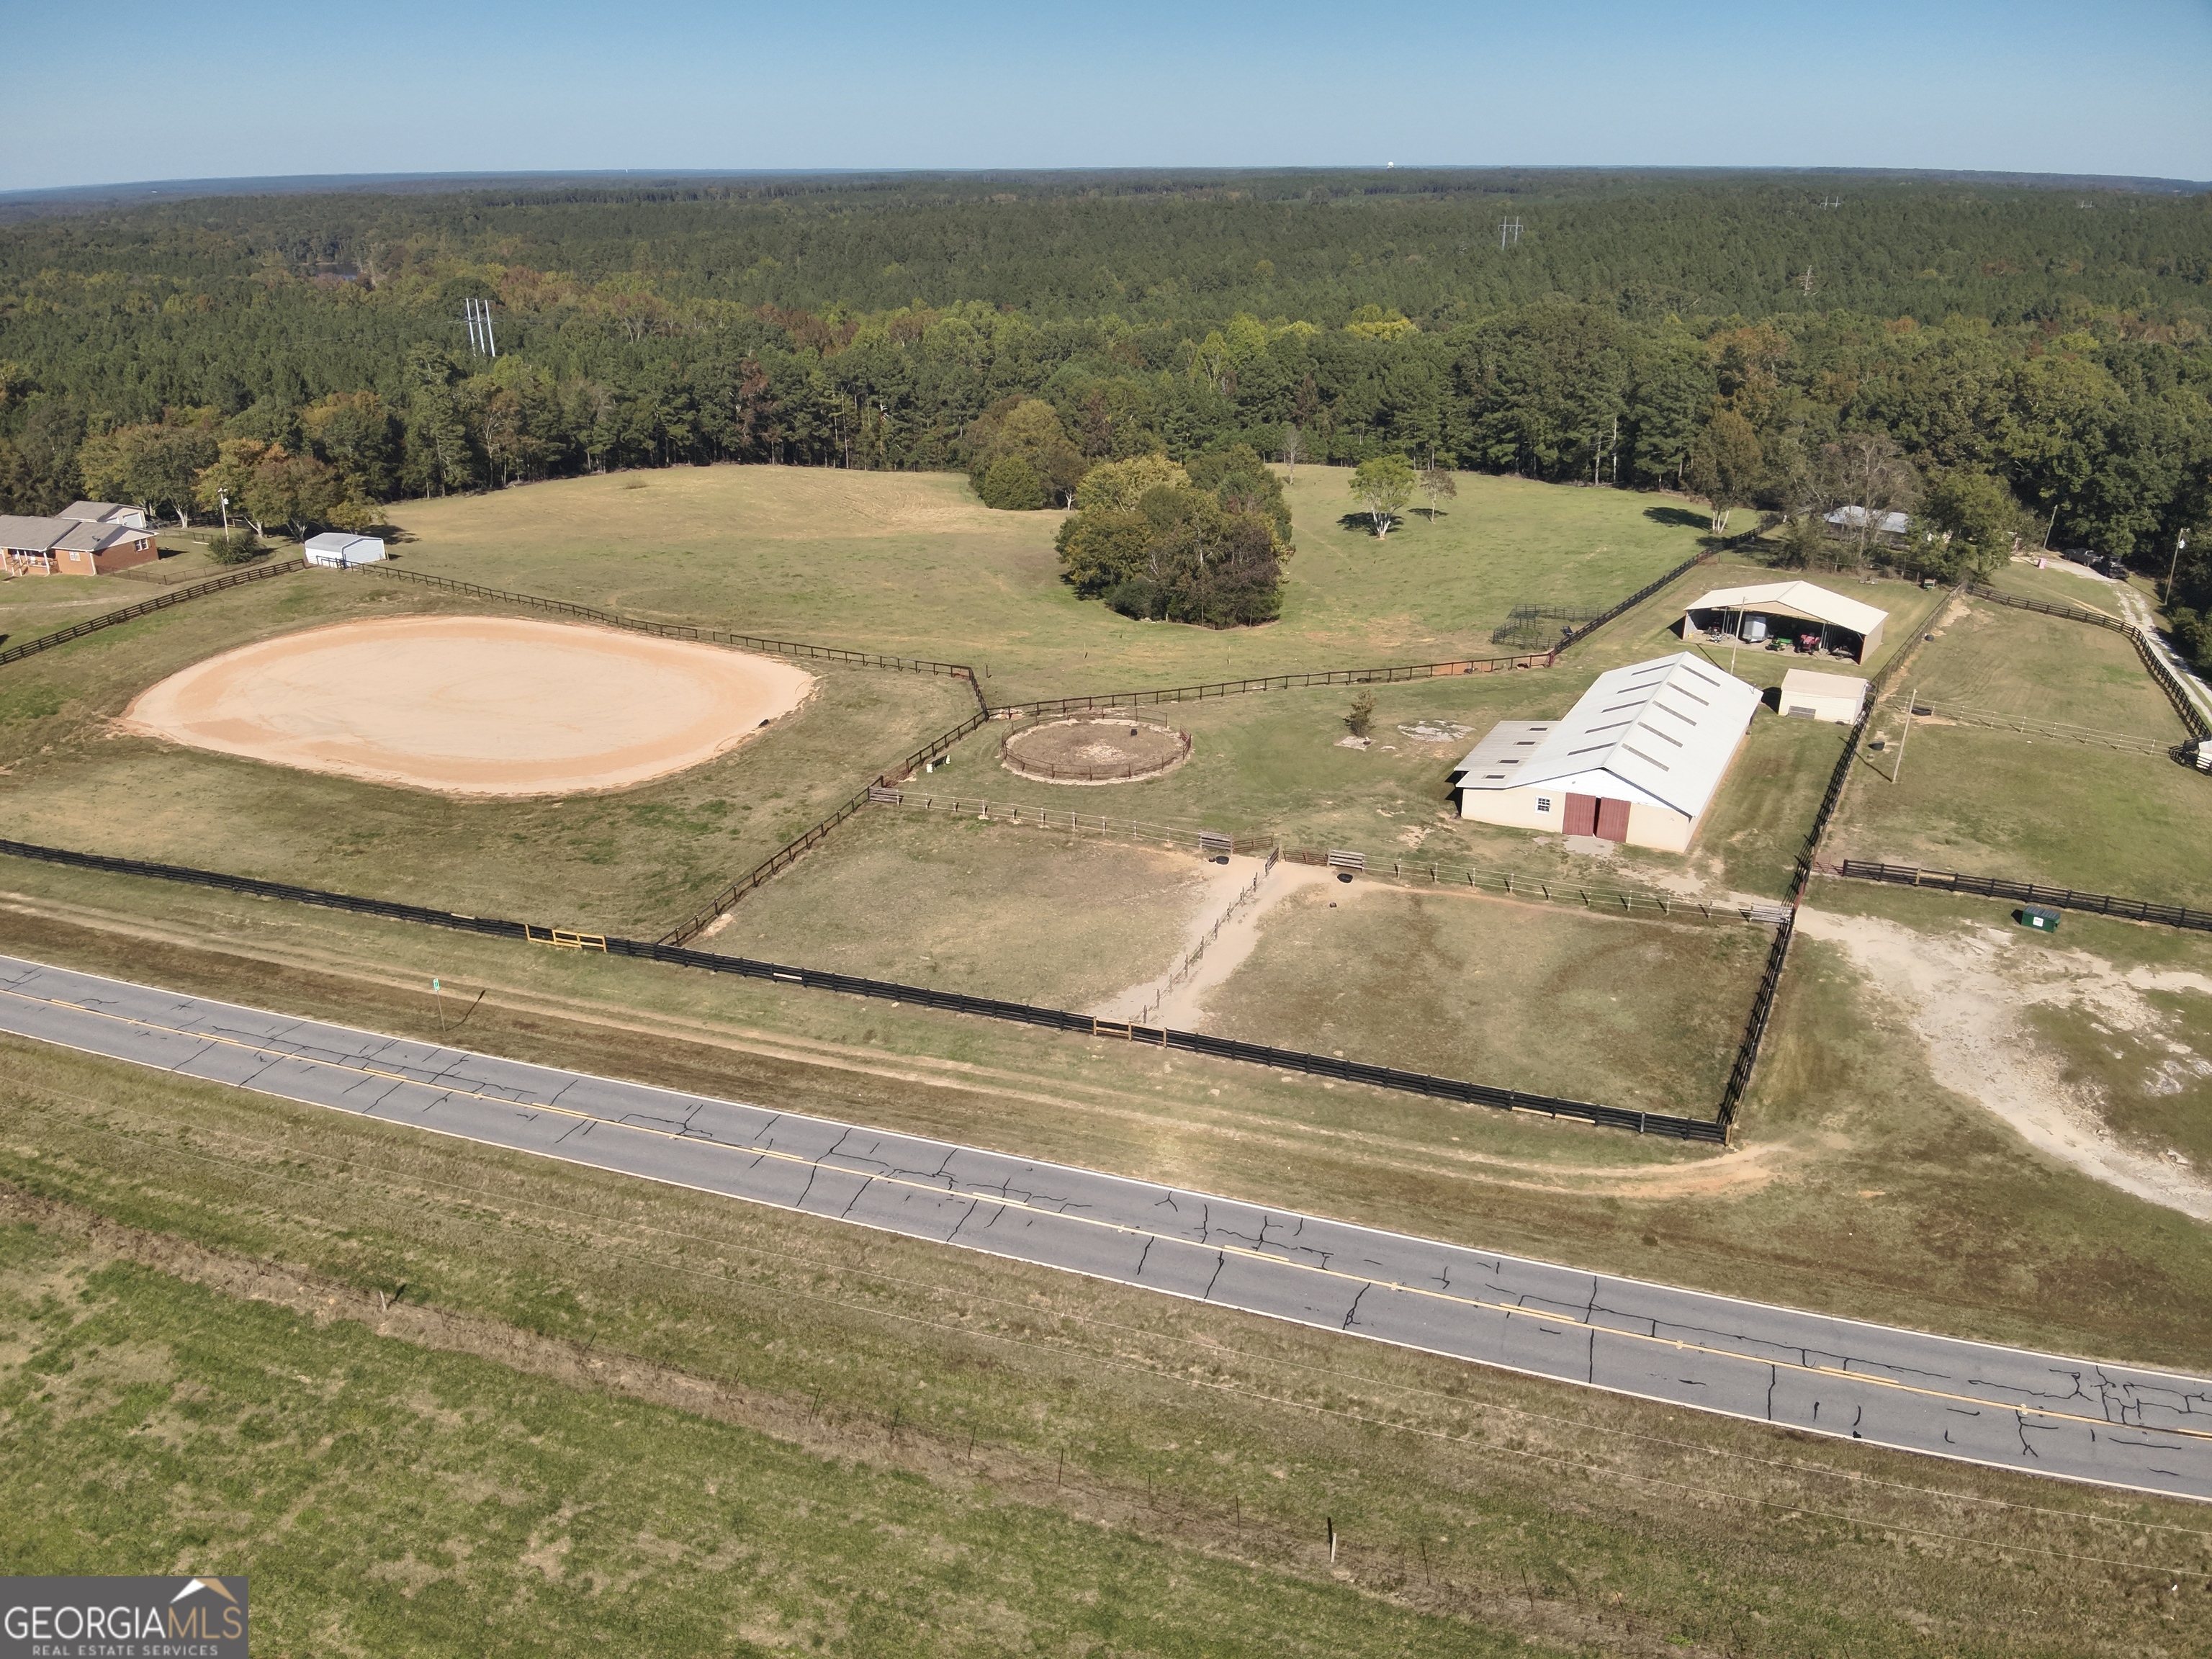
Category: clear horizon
<point>1966,86</point>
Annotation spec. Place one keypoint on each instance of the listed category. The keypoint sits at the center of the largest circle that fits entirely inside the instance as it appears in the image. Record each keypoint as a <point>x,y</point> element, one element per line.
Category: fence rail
<point>684,630</point>
<point>2047,608</point>
<point>1281,1059</point>
<point>2192,717</point>
<point>789,854</point>
<point>2027,892</point>
<point>1576,634</point>
<point>1425,671</point>
<point>147,607</point>
<point>2029,725</point>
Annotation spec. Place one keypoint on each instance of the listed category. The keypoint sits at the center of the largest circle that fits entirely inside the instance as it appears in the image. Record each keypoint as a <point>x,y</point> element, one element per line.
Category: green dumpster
<point>2042,919</point>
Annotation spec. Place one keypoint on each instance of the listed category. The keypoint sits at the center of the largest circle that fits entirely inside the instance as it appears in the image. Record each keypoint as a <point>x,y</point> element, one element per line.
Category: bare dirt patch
<point>1971,1001</point>
<point>473,705</point>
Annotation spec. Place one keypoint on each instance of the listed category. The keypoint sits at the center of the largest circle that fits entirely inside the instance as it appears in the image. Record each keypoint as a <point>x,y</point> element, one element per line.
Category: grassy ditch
<point>600,1410</point>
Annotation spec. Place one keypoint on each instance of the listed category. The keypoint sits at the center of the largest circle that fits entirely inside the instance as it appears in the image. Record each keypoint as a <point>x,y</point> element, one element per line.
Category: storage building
<point>1813,617</point>
<point>1637,760</point>
<point>335,551</point>
<point>1806,695</point>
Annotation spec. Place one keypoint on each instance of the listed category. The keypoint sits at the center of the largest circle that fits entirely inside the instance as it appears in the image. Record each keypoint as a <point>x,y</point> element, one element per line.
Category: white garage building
<point>337,551</point>
<point>1811,696</point>
<point>1637,760</point>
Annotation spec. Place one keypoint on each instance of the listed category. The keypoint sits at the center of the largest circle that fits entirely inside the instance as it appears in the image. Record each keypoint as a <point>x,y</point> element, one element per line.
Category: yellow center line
<point>1510,1309</point>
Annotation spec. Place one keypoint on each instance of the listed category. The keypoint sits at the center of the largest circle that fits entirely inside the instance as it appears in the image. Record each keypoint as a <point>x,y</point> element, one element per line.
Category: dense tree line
<point>1995,361</point>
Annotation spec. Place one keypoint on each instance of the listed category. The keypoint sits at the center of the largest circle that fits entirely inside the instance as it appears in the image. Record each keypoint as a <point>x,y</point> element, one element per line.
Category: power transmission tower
<point>1508,232</point>
<point>476,317</point>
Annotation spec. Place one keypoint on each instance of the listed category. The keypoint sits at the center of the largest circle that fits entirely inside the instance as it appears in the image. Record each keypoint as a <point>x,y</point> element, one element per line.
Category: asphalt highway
<point>2074,1418</point>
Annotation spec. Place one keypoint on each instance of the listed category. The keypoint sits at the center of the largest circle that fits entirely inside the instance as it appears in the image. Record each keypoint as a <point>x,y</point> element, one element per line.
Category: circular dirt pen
<point>1094,749</point>
<point>473,705</point>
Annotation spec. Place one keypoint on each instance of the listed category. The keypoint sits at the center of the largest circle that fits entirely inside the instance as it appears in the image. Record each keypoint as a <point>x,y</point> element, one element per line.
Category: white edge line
<point>2134,1367</point>
<point>1184,1295</point>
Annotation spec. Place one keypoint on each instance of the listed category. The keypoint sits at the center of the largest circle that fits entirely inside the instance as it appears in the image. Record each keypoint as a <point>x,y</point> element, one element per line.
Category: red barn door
<point>1611,820</point>
<point>1582,815</point>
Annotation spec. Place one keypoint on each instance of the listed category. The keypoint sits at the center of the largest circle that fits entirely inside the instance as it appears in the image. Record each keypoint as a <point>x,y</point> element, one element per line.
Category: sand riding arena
<point>1108,748</point>
<point>473,705</point>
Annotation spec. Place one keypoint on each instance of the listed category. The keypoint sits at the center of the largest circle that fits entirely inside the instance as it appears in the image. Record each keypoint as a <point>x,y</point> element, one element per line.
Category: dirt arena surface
<point>1095,749</point>
<point>473,705</point>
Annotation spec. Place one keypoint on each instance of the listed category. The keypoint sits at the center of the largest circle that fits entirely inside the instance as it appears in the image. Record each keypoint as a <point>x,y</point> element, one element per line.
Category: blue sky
<point>297,88</point>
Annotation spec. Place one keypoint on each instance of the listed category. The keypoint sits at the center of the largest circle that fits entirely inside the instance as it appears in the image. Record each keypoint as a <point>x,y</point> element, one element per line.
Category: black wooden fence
<point>2028,893</point>
<point>684,631</point>
<point>1424,670</point>
<point>788,854</point>
<point>2192,717</point>
<point>1574,636</point>
<point>1059,1019</point>
<point>147,607</point>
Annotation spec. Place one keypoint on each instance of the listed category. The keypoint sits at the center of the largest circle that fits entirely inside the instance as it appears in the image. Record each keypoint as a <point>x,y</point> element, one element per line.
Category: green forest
<point>2025,359</point>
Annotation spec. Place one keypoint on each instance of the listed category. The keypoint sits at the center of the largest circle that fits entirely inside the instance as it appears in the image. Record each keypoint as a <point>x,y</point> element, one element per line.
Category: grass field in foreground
<point>912,563</point>
<point>990,910</point>
<point>386,1501</point>
<point>1973,1234</point>
<point>1644,1015</point>
<point>1993,802</point>
<point>629,861</point>
<point>891,1446</point>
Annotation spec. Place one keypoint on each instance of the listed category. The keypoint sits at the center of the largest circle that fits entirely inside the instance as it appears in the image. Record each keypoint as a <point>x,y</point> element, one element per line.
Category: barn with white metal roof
<point>1791,611</point>
<point>1637,759</point>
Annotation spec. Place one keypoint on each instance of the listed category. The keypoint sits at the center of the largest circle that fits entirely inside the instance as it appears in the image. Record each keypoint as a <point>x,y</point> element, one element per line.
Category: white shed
<point>1635,760</point>
<point>335,551</point>
<point>1811,696</point>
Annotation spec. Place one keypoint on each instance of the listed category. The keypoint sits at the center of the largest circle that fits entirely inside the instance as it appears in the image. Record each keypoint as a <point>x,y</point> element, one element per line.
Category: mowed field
<point>594,1412</point>
<point>990,910</point>
<point>638,858</point>
<point>912,564</point>
<point>2028,807</point>
<point>1642,1014</point>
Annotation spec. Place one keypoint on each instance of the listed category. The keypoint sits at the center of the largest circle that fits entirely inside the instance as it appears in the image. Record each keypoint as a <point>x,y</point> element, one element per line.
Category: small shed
<point>1813,697</point>
<point>335,551</point>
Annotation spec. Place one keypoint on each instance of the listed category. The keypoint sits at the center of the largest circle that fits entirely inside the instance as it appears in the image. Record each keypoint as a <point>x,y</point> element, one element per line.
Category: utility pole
<point>2174,564</point>
<point>1910,698</point>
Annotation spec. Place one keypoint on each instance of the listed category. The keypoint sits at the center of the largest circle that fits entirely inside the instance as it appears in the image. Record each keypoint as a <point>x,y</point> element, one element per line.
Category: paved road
<point>2111,1423</point>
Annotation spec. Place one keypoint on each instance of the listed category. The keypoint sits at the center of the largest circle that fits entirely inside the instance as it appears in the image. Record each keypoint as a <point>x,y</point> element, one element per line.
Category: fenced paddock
<point>1102,749</point>
<point>1057,1019</point>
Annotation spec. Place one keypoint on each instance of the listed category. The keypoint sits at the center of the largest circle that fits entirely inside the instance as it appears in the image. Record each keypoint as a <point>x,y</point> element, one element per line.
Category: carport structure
<point>1790,610</point>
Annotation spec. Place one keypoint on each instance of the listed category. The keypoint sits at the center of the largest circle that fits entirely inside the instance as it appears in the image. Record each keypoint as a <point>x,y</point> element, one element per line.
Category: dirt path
<point>1222,888</point>
<point>1967,998</point>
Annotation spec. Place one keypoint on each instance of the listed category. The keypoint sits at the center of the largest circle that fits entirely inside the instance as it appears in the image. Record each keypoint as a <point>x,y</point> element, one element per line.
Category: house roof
<point>97,537</point>
<point>1662,731</point>
<point>1854,518</point>
<point>1794,599</point>
<point>97,512</point>
<point>1809,682</point>
<point>30,535</point>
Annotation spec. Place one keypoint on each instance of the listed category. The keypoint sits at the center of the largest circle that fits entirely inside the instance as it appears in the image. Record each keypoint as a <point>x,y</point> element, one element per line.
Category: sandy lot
<point>473,705</point>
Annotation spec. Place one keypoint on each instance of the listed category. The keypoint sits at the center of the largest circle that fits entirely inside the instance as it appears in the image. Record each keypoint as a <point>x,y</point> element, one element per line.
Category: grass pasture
<point>987,909</point>
<point>912,563</point>
<point>1991,802</point>
<point>1272,760</point>
<point>600,1413</point>
<point>634,859</point>
<point>1642,1014</point>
